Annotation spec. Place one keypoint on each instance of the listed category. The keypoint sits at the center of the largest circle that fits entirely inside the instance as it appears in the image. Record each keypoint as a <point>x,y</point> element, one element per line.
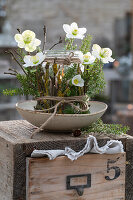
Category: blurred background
<point>110,23</point>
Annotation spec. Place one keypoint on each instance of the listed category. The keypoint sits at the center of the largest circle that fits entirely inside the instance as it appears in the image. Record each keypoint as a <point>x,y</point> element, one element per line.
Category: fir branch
<point>69,45</point>
<point>86,44</point>
<point>12,92</point>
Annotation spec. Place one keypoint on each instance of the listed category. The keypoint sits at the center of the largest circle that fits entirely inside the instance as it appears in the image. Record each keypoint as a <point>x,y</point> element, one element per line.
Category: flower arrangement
<point>62,81</point>
<point>80,77</point>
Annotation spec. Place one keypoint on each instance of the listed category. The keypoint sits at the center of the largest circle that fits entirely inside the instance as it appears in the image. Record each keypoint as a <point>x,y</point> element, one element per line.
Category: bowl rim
<point>64,115</point>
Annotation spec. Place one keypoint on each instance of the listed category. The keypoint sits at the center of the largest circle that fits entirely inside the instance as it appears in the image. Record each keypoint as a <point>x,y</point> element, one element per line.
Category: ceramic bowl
<point>61,122</point>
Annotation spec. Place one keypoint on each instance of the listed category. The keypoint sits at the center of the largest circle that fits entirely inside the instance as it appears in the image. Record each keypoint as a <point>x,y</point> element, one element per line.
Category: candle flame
<point>62,72</point>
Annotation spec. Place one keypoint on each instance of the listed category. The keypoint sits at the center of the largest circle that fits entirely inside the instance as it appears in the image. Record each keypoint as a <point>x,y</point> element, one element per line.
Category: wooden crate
<point>16,146</point>
<point>91,177</point>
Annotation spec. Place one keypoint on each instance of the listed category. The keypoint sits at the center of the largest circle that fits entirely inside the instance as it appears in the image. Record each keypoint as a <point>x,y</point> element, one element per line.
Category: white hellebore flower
<point>86,58</point>
<point>72,31</point>
<point>78,81</point>
<point>82,67</point>
<point>31,61</point>
<point>27,40</point>
<point>104,54</point>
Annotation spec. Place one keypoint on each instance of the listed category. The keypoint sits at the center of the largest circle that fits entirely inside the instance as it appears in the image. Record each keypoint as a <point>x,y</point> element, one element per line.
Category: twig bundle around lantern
<point>56,63</point>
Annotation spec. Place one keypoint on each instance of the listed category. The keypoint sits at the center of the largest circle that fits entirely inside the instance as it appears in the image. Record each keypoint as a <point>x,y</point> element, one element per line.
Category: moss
<point>108,129</point>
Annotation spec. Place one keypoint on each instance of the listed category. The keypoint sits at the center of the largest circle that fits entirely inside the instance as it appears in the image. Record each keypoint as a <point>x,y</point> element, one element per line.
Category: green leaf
<point>86,44</point>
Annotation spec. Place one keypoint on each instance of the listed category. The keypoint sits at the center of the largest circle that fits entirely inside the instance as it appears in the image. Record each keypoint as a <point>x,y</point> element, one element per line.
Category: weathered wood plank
<point>129,169</point>
<point>47,179</point>
<point>6,170</point>
<point>20,131</point>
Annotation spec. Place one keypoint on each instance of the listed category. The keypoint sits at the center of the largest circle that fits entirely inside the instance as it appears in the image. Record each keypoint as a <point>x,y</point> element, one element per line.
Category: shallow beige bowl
<point>61,122</point>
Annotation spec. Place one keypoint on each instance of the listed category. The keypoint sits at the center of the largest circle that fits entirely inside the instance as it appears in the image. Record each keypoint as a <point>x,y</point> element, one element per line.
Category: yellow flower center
<point>104,53</point>
<point>86,58</point>
<point>75,32</point>
<point>27,39</point>
<point>35,59</point>
<point>76,81</point>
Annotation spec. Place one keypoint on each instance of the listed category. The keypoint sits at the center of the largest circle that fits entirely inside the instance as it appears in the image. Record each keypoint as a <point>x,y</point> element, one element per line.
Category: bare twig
<point>13,74</point>
<point>18,54</point>
<point>44,31</point>
<point>38,83</point>
<point>59,42</point>
<point>10,52</point>
<point>13,70</point>
<point>18,29</point>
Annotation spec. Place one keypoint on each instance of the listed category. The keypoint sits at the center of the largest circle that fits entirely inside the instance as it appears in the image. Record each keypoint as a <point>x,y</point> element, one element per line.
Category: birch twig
<point>44,31</point>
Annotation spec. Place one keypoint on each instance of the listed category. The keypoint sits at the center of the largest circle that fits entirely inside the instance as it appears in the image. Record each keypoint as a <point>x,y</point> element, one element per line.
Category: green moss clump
<point>108,129</point>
